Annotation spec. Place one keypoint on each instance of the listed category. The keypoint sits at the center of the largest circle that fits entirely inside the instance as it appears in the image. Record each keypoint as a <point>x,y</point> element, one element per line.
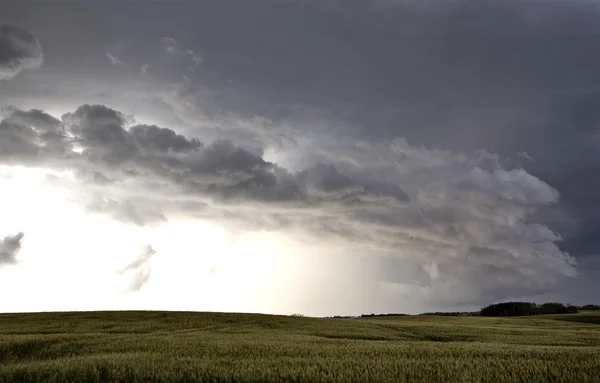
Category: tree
<point>526,308</point>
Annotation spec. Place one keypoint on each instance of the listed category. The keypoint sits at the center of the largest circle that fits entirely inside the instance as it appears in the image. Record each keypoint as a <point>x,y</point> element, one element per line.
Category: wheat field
<point>216,347</point>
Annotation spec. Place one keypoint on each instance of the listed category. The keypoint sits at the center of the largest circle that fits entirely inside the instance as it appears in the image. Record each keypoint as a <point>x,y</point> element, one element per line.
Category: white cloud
<point>114,60</point>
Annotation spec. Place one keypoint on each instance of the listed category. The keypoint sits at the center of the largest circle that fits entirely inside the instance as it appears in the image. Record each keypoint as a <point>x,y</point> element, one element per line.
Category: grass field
<point>187,347</point>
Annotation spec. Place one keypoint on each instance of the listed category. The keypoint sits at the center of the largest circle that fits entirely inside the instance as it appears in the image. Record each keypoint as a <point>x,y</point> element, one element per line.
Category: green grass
<point>187,347</point>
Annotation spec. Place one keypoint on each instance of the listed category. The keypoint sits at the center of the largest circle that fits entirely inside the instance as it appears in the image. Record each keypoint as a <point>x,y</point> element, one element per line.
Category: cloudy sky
<point>321,157</point>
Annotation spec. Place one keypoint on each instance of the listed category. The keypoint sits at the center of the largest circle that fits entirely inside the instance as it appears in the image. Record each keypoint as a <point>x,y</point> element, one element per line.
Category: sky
<point>318,157</point>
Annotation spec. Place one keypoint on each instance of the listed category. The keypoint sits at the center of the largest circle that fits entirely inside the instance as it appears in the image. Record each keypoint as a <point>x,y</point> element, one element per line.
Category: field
<point>185,347</point>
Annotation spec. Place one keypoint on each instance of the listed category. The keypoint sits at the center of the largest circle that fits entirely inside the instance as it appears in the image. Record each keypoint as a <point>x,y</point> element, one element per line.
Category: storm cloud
<point>453,146</point>
<point>458,214</point>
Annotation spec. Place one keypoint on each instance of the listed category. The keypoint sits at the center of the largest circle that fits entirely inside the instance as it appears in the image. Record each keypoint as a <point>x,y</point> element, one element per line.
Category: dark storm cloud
<point>17,141</point>
<point>9,248</point>
<point>19,50</point>
<point>162,139</point>
<point>100,143</point>
<point>32,137</point>
<point>98,125</point>
<point>510,77</point>
<point>35,118</point>
<point>219,168</point>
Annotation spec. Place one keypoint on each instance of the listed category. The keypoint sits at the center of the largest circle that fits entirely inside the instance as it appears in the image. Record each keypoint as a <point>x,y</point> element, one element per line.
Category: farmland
<point>187,346</point>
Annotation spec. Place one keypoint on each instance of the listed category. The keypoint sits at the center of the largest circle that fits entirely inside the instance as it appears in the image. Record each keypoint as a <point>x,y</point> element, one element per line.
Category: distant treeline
<point>382,315</point>
<point>506,309</point>
<point>509,309</point>
<point>453,314</point>
<point>519,309</point>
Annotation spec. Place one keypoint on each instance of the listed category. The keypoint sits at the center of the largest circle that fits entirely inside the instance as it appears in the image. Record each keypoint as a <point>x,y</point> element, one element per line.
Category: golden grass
<point>187,347</point>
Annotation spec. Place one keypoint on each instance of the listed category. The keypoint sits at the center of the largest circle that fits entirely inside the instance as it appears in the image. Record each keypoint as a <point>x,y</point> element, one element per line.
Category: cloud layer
<point>462,220</point>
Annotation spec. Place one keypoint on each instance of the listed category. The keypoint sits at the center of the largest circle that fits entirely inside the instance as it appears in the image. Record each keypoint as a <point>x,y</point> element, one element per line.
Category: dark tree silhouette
<point>453,314</point>
<point>509,309</point>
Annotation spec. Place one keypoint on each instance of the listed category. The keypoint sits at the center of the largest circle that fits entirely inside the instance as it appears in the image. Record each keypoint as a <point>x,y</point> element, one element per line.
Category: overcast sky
<point>323,157</point>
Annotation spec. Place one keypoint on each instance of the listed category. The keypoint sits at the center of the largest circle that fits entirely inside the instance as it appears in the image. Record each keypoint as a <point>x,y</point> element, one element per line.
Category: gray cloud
<point>327,181</point>
<point>35,118</point>
<point>17,141</point>
<point>32,137</point>
<point>219,167</point>
<point>9,248</point>
<point>132,210</point>
<point>19,50</point>
<point>140,269</point>
<point>162,139</point>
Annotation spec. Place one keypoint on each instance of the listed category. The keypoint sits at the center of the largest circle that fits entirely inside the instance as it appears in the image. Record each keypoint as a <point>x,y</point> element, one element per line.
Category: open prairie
<point>187,346</point>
